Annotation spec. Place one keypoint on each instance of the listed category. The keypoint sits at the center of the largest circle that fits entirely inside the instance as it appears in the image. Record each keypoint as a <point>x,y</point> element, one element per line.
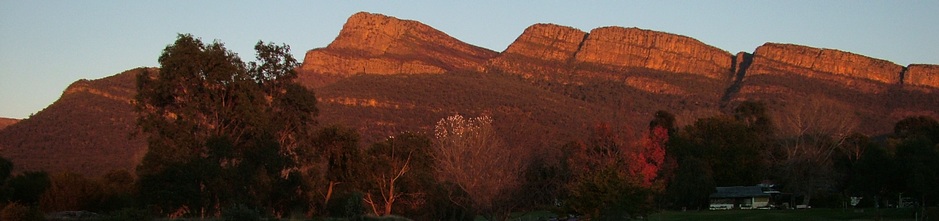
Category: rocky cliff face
<point>547,48</point>
<point>542,48</point>
<point>786,76</point>
<point>773,58</point>
<point>922,75</point>
<point>379,44</point>
<point>548,42</point>
<point>633,47</point>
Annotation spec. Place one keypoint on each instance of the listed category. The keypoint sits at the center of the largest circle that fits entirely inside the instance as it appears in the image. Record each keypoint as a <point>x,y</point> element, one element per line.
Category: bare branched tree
<point>810,133</point>
<point>816,128</point>
<point>386,185</point>
<point>469,154</point>
<point>397,174</point>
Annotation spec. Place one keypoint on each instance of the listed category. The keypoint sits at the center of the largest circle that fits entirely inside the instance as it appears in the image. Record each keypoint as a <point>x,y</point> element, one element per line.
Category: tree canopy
<point>211,118</point>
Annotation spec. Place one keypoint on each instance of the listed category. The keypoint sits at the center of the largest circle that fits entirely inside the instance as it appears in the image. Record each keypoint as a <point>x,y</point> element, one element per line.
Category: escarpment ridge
<point>638,71</point>
<point>548,42</point>
<point>922,74</point>
<point>773,57</point>
<point>633,47</point>
<point>378,44</point>
<point>615,48</point>
<point>383,75</point>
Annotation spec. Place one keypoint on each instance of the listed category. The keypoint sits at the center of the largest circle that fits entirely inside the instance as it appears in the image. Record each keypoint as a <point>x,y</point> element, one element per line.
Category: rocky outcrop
<point>542,49</point>
<point>548,42</point>
<point>922,75</point>
<point>773,58</point>
<point>546,48</point>
<point>785,76</point>
<point>633,47</point>
<point>331,62</point>
<point>379,44</point>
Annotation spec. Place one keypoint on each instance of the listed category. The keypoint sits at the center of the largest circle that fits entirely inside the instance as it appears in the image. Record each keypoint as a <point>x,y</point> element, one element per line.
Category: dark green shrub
<point>71,192</point>
<point>28,187</point>
<point>346,205</point>
<point>441,204</point>
<point>381,218</point>
<point>20,212</point>
<point>241,213</point>
<point>828,200</point>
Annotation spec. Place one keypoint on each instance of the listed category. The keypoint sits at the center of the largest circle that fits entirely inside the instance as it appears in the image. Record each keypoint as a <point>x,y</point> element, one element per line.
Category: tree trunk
<point>388,208</point>
<point>391,197</point>
<point>329,192</point>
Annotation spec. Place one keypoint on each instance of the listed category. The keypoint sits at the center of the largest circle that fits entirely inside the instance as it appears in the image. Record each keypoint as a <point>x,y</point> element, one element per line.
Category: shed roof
<point>739,192</point>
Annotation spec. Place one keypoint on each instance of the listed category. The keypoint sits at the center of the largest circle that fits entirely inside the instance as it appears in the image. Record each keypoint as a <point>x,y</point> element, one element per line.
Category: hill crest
<point>87,130</point>
<point>6,122</point>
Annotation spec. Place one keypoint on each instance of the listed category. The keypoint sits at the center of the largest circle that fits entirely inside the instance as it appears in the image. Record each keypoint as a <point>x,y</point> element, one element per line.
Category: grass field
<point>798,215</point>
<point>761,215</point>
<point>733,215</point>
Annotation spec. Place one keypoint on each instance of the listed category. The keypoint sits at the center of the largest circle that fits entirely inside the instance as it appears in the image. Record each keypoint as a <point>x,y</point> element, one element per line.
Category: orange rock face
<point>546,48</point>
<point>548,42</point>
<point>922,75</point>
<point>337,62</point>
<point>541,49</point>
<point>633,47</point>
<point>379,44</point>
<point>773,58</point>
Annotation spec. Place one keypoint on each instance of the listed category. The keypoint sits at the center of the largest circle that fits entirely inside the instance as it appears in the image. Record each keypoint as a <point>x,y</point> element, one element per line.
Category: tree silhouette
<point>221,131</point>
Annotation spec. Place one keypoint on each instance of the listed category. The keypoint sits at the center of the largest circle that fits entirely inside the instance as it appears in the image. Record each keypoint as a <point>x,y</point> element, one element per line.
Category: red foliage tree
<point>613,175</point>
<point>650,156</point>
<point>607,147</point>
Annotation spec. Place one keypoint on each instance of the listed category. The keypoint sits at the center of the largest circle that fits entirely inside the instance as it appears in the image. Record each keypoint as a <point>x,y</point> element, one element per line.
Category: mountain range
<point>383,75</point>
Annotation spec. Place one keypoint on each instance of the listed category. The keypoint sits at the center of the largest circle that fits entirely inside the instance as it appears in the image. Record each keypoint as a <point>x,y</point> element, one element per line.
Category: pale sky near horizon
<point>47,45</point>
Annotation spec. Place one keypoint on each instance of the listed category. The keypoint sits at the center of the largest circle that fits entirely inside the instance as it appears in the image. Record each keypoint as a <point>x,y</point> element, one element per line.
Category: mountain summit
<point>379,44</point>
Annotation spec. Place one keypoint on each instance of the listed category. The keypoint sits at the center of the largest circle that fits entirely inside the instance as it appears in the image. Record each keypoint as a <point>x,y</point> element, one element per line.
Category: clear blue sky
<point>46,45</point>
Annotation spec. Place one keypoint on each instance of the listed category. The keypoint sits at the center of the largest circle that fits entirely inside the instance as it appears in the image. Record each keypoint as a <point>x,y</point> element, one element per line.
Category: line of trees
<point>226,135</point>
